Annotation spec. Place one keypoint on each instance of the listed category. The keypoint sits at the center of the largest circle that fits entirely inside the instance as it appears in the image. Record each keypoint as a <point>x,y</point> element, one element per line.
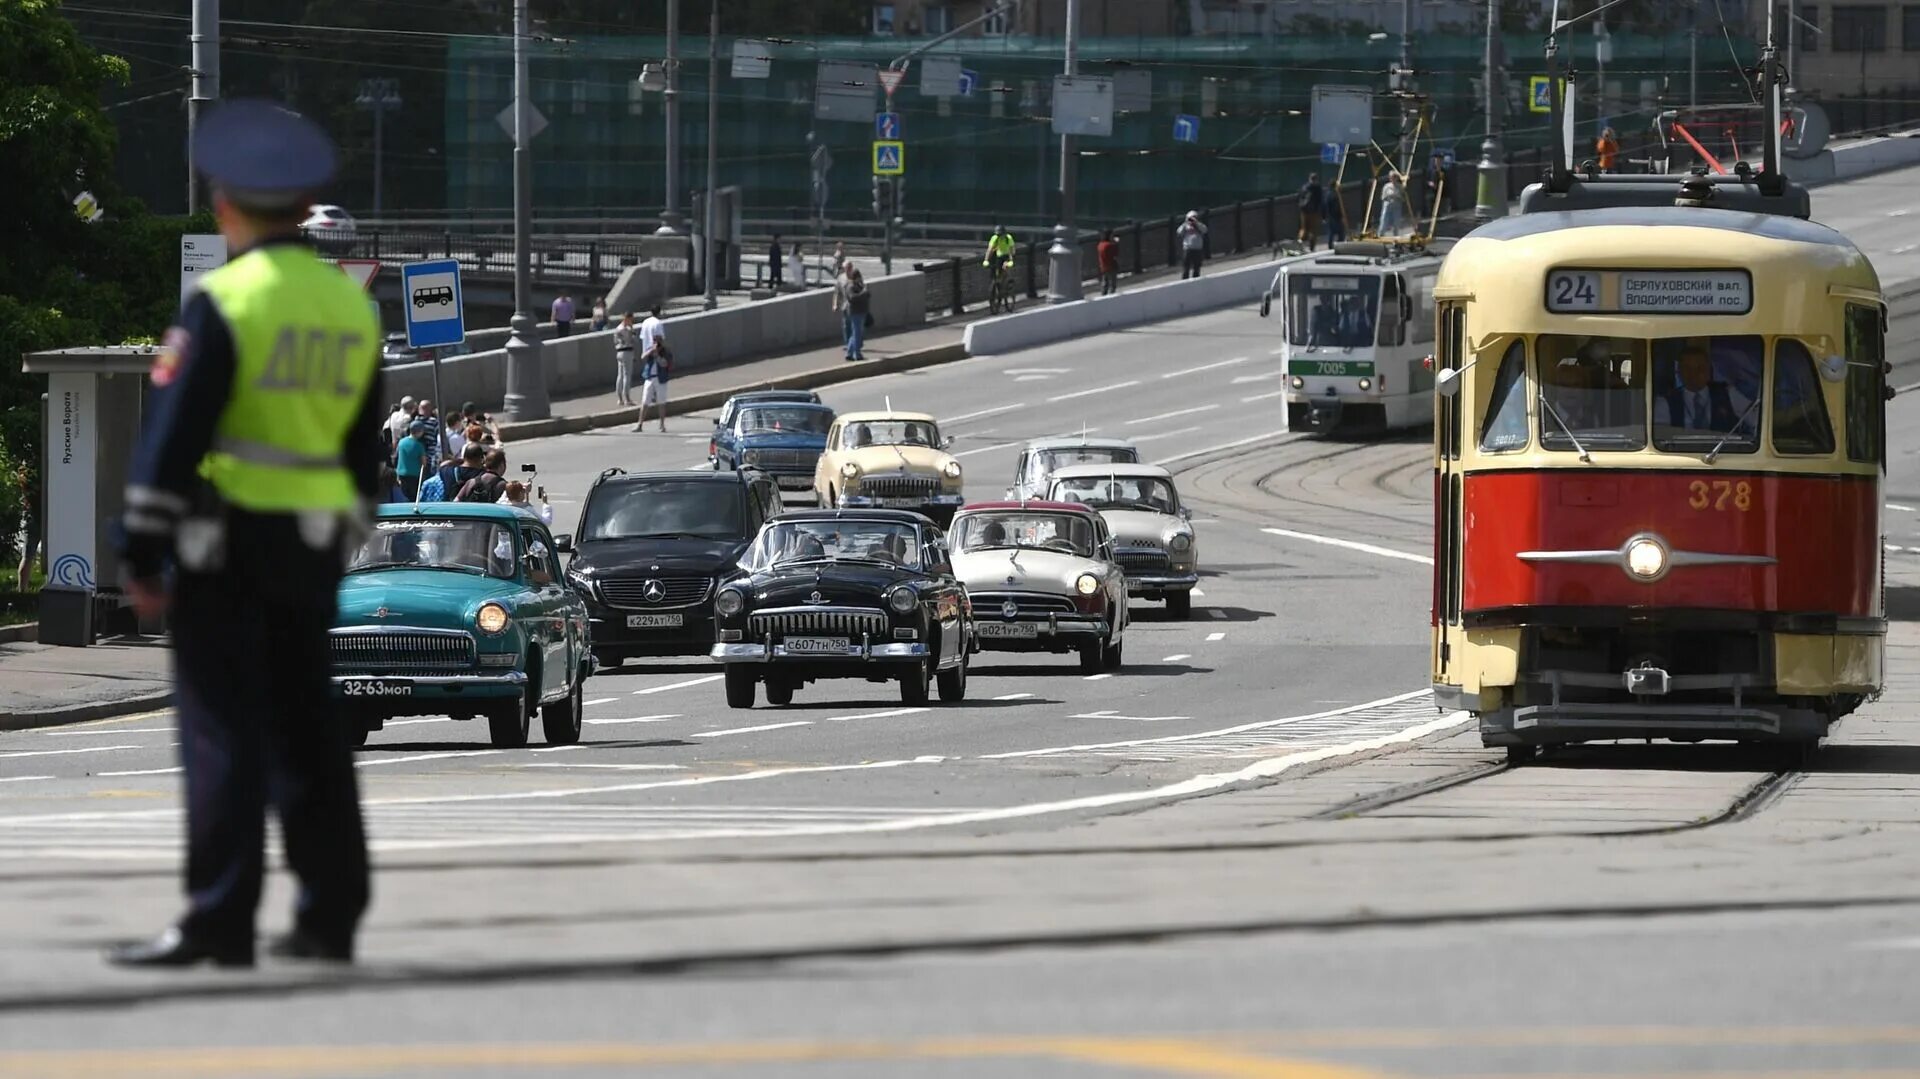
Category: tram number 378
<point>1720,495</point>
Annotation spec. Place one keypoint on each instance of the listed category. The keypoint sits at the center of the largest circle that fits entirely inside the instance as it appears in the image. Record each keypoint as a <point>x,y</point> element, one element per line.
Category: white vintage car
<point>1041,578</point>
<point>892,460</point>
<point>1152,532</point>
<point>1033,473</point>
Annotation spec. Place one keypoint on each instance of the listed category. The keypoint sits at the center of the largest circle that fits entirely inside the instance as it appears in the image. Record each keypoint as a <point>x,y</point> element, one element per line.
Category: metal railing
<point>555,260</point>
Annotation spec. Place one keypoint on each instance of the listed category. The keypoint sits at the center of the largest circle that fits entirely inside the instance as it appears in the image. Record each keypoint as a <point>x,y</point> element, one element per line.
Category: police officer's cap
<point>264,156</point>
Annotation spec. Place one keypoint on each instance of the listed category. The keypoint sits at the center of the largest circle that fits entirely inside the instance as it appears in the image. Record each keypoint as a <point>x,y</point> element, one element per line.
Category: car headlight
<point>1366,384</point>
<point>849,470</point>
<point>749,457</point>
<point>902,599</point>
<point>729,602</point>
<point>492,618</point>
<point>1087,584</point>
<point>1180,542</point>
<point>1646,558</point>
<point>1297,382</point>
<point>952,470</point>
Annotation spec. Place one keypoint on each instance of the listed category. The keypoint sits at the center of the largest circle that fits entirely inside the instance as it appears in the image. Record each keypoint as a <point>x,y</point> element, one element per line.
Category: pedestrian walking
<point>1607,149</point>
<point>249,485</point>
<point>599,321</point>
<point>431,417</point>
<point>1108,252</point>
<point>855,312</point>
<point>453,474</point>
<point>797,266</point>
<point>774,266</point>
<point>490,484</point>
<point>656,367</point>
<point>1193,245</point>
<point>624,336</point>
<point>397,424</point>
<point>839,259</point>
<point>1336,215</point>
<point>410,459</point>
<point>1391,195</point>
<point>1311,201</point>
<point>562,313</point>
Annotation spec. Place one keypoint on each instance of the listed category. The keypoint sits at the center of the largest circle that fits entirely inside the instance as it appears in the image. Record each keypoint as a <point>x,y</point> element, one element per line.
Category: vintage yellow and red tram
<point>1659,446</point>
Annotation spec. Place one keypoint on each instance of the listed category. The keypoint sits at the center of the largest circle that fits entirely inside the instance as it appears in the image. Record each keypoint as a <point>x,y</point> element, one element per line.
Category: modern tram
<point>1659,448</point>
<point>1356,329</point>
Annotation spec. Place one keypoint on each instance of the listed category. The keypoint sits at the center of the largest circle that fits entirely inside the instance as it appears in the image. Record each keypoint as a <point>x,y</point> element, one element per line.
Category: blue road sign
<point>1539,93</point>
<point>430,297</point>
<point>886,125</point>
<point>1186,128</point>
<point>968,81</point>
<point>1330,153</point>
<point>889,158</point>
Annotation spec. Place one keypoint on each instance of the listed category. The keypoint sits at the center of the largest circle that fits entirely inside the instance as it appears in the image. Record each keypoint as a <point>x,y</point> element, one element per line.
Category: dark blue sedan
<point>782,439</point>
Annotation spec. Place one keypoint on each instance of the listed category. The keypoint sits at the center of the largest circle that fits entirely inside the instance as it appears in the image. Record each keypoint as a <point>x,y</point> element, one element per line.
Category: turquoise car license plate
<point>377,687</point>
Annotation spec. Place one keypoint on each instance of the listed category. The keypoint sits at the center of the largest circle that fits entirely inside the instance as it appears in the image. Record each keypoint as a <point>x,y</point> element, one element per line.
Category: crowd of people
<point>460,461</point>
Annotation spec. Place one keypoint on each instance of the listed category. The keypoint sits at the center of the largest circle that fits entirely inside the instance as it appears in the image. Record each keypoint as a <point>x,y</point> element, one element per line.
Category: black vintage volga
<point>796,623</point>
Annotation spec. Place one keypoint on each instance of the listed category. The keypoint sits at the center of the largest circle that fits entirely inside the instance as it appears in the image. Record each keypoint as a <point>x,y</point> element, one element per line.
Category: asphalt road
<point>1034,882</point>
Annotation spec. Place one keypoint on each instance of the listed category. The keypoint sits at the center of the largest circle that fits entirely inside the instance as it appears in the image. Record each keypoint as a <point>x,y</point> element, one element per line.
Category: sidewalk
<point>44,685</point>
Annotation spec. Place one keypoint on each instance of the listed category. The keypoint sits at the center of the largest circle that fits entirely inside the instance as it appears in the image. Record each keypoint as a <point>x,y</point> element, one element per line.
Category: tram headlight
<point>1646,558</point>
<point>1297,382</point>
<point>1366,384</point>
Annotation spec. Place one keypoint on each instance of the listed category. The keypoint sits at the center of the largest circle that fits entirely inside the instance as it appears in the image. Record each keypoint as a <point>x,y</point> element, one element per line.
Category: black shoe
<point>174,948</point>
<point>305,946</point>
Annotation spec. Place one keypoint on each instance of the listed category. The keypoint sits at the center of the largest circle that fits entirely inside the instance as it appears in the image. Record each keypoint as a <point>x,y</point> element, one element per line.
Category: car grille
<point>849,624</point>
<point>991,605</point>
<point>1138,560</point>
<point>785,458</point>
<point>407,650</point>
<point>899,486</point>
<point>631,592</point>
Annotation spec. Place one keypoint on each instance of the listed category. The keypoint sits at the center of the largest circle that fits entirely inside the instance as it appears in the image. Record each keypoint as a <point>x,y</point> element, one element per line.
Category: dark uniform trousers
<point>265,729</point>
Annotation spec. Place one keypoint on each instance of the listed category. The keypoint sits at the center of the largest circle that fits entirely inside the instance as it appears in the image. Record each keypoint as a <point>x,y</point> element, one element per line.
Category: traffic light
<point>883,197</point>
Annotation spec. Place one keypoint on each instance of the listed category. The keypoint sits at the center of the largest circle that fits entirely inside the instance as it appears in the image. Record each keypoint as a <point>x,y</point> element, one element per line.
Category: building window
<point>1858,28</point>
<point>936,19</point>
<point>996,25</point>
<point>883,19</point>
<point>1809,28</point>
<point>1910,28</point>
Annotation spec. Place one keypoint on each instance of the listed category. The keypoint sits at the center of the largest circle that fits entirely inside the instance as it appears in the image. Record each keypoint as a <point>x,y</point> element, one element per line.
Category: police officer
<point>261,446</point>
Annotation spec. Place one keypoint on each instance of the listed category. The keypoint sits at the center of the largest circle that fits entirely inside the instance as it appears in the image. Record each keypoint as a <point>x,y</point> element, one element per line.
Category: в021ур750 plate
<point>1021,630</point>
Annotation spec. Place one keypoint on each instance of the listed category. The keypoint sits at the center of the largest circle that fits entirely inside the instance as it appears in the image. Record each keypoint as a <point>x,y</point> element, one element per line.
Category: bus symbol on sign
<point>440,295</point>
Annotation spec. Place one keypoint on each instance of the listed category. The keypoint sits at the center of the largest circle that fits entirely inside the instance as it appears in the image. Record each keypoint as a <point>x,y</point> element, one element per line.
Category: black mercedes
<point>650,548</point>
<point>844,594</point>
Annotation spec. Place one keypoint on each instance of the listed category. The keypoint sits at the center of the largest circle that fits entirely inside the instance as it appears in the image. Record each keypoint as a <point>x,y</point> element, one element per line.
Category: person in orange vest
<point>1607,146</point>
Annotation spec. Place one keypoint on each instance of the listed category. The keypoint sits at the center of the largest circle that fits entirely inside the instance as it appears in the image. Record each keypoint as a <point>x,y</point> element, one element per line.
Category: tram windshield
<point>1593,392</point>
<point>1332,310</point>
<point>1706,392</point>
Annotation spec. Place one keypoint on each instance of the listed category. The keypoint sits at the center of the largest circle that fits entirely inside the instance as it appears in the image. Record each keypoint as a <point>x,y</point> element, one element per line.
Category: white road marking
<point>559,749</point>
<point>1164,434</point>
<point>1096,677</point>
<point>985,449</point>
<point>1281,351</point>
<point>1205,367</point>
<point>1096,389</point>
<point>25,779</point>
<point>1260,725</point>
<point>1256,378</point>
<point>1114,714</point>
<point>679,685</point>
<point>110,730</point>
<point>1223,446</point>
<point>411,722</point>
<point>638,719</point>
<point>1891,506</point>
<point>983,412</point>
<point>598,700</point>
<point>751,730</point>
<point>144,772</point>
<point>1043,372</point>
<point>1216,636</point>
<point>1263,397</point>
<point>1175,412</point>
<point>427,757</point>
<point>1903,943</point>
<point>1176,657</point>
<point>610,767</point>
<point>1014,697</point>
<point>700,468</point>
<point>1218,614</point>
<point>876,715</point>
<point>1197,593</point>
<point>69,752</point>
<point>1352,545</point>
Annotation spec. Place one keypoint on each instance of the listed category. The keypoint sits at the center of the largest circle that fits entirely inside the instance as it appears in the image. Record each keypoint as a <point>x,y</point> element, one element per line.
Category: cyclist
<point>999,251</point>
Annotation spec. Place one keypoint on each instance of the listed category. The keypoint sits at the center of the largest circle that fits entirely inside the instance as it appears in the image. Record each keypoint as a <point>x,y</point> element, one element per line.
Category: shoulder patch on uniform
<point>173,349</point>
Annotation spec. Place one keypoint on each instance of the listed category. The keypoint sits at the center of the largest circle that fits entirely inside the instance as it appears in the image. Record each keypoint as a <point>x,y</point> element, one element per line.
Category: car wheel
<point>780,693</point>
<point>953,682</point>
<point>560,721</point>
<point>1179,604</point>
<point>913,684</point>
<point>608,664</point>
<point>509,722</point>
<point>1110,657</point>
<point>359,733</point>
<point>739,687</point>
<point>1092,657</point>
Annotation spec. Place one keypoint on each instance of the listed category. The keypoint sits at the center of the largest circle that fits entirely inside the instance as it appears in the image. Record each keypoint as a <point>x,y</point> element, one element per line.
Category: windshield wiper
<point>1571,437</point>
<point>1714,453</point>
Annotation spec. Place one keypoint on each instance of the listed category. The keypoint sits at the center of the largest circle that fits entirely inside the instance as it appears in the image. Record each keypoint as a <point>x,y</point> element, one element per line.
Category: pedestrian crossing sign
<point>1539,93</point>
<point>889,157</point>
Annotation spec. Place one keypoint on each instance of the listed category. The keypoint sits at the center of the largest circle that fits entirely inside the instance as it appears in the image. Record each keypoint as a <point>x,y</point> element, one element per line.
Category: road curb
<point>803,380</point>
<point>83,713</point>
<point>25,631</point>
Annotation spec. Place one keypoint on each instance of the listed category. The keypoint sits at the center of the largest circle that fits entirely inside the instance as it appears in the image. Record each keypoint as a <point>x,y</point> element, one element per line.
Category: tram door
<point>1448,527</point>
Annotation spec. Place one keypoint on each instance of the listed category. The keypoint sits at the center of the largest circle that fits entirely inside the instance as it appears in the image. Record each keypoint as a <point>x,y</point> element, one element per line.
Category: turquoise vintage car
<point>459,609</point>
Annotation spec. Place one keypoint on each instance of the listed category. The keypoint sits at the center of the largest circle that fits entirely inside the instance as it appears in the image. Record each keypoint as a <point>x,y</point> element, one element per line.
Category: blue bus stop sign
<point>1330,153</point>
<point>430,298</point>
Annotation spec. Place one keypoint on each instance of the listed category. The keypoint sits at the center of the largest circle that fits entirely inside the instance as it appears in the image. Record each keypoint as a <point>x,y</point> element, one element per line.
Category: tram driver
<point>1701,400</point>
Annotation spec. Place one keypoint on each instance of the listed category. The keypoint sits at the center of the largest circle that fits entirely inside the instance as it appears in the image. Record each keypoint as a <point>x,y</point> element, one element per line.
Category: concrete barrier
<point>1860,158</point>
<point>583,362</point>
<point>1154,303</point>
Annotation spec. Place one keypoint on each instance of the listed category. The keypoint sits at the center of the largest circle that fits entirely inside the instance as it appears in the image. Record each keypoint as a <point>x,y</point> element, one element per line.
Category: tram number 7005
<point>1719,494</point>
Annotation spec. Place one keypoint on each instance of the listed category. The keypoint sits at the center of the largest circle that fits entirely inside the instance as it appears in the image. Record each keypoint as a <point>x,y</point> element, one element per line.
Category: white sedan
<point>329,223</point>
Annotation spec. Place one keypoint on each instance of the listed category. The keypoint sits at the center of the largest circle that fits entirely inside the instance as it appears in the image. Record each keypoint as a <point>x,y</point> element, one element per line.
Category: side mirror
<point>1186,514</point>
<point>947,442</point>
<point>1447,383</point>
<point>1266,305</point>
<point>563,543</point>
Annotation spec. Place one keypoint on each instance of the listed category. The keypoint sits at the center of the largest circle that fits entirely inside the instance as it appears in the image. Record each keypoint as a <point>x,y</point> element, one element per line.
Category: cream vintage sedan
<point>1041,578</point>
<point>1152,532</point>
<point>892,460</point>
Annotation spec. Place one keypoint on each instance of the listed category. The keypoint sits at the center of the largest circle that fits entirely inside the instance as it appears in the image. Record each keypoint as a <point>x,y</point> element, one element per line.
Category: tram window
<point>1707,390</point>
<point>1593,391</point>
<point>1800,423</point>
<point>1421,289</point>
<point>1505,429</point>
<point>1392,328</point>
<point>1332,310</point>
<point>1865,404</point>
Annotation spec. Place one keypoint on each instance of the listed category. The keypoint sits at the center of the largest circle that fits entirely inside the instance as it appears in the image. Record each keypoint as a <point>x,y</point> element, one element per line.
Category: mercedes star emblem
<point>1009,610</point>
<point>654,591</point>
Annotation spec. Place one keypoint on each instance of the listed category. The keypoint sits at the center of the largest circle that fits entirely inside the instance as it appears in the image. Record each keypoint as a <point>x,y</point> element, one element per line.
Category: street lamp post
<point>713,155</point>
<point>671,223</point>
<point>526,396</point>
<point>378,96</point>
<point>205,40</point>
<point>1063,258</point>
<point>1492,202</point>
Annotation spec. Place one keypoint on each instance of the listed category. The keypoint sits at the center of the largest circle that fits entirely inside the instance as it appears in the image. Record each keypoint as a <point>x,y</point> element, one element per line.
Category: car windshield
<point>1045,463</point>
<point>783,542</point>
<point>1118,492</point>
<point>760,419</point>
<point>1332,310</point>
<point>702,509</point>
<point>1054,531</point>
<point>470,546</point>
<point>890,433</point>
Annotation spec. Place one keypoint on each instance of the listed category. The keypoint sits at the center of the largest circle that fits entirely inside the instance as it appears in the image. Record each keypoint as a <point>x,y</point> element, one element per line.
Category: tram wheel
<point>1519,755</point>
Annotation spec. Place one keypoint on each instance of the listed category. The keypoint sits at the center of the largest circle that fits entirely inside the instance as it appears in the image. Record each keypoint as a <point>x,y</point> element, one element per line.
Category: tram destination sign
<point>1649,292</point>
